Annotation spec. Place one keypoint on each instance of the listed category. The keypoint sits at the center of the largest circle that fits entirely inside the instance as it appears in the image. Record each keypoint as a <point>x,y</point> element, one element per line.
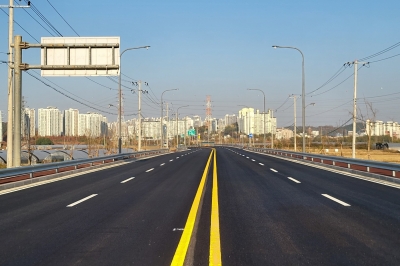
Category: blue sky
<point>221,48</point>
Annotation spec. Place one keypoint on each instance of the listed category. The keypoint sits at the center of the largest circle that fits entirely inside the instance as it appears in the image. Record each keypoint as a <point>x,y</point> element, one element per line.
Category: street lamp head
<point>147,47</point>
<point>274,46</point>
<point>312,103</point>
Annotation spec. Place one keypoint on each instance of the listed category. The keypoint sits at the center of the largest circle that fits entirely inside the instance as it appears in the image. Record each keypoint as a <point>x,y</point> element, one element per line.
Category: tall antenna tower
<point>208,115</point>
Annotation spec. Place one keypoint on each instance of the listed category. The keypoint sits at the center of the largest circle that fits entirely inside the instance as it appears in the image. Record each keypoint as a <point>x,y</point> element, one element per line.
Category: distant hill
<point>331,130</point>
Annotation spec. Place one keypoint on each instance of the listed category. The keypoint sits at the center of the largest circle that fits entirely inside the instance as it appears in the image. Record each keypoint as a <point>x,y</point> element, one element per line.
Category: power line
<point>43,18</point>
<point>63,18</point>
<point>381,52</point>
<point>340,71</point>
<point>20,26</point>
<point>337,84</point>
<point>383,59</point>
<point>36,20</point>
<point>287,99</point>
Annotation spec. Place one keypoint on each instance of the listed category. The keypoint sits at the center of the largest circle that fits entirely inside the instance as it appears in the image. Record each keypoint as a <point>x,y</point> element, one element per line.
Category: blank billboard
<point>80,56</point>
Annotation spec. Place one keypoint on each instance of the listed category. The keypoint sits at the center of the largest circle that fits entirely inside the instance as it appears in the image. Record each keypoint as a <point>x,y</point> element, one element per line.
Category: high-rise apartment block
<point>50,122</point>
<point>92,125</point>
<point>255,122</point>
<point>71,122</point>
<point>230,119</point>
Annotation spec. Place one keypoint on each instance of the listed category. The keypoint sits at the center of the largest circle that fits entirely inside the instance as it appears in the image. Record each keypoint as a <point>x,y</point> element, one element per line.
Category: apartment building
<point>50,122</point>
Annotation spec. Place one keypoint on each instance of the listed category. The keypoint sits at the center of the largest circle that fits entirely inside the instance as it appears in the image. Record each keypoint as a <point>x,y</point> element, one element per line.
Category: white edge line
<point>150,170</point>
<point>368,179</point>
<point>82,200</point>
<point>294,180</point>
<point>335,199</point>
<point>126,180</point>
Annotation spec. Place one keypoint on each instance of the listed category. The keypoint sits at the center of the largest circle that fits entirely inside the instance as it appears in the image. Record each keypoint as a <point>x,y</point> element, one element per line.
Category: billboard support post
<point>79,68</point>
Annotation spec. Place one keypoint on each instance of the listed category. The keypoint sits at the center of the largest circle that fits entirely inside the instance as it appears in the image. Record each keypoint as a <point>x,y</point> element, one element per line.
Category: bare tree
<point>369,122</point>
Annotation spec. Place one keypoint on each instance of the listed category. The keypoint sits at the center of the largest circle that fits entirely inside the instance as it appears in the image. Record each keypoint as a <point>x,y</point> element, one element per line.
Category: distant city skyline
<point>203,49</point>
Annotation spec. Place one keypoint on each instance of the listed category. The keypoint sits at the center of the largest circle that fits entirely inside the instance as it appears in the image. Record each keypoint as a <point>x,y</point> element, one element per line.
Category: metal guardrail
<point>373,167</point>
<point>28,172</point>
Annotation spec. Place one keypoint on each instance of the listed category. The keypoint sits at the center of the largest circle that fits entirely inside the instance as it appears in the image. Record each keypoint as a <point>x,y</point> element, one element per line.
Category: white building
<point>92,125</point>
<point>230,119</point>
<point>50,122</point>
<point>378,128</point>
<point>71,122</point>
<point>253,122</point>
<point>284,133</point>
<point>197,122</point>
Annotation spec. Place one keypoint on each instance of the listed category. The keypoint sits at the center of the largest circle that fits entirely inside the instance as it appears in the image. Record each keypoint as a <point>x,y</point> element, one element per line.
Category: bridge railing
<point>29,172</point>
<point>374,167</point>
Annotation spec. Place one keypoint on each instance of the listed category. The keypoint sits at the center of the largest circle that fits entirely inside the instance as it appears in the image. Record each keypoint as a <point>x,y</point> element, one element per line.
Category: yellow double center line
<point>215,244</point>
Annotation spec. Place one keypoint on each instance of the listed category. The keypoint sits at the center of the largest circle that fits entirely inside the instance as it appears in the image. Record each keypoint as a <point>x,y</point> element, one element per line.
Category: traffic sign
<point>250,135</point>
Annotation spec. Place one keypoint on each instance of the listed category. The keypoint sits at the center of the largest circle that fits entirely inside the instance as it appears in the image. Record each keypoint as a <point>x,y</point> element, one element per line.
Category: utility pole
<point>184,140</point>
<point>10,121</point>
<point>272,129</point>
<point>353,146</point>
<point>140,117</point>
<point>167,128</point>
<point>177,133</point>
<point>10,108</point>
<point>17,101</point>
<point>248,123</point>
<point>294,113</point>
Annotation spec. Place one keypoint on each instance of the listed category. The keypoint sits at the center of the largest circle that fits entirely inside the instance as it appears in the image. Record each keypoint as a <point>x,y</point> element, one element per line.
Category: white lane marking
<point>369,179</point>
<point>171,160</point>
<point>294,180</point>
<point>126,180</point>
<point>82,200</point>
<point>247,157</point>
<point>150,170</point>
<point>335,199</point>
<point>260,163</point>
<point>11,190</point>
<point>253,160</point>
<point>177,229</point>
<point>273,170</point>
<point>162,164</point>
<point>177,157</point>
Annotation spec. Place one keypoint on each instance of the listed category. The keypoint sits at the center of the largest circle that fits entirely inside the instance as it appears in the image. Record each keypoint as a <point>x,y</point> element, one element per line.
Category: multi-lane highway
<point>202,207</point>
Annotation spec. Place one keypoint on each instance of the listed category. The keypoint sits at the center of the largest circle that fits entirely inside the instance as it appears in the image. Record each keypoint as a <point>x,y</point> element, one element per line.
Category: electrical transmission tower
<point>208,115</point>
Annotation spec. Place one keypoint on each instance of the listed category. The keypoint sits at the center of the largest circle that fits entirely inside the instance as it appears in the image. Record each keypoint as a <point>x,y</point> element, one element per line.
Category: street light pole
<point>177,133</point>
<point>303,94</point>
<point>294,114</point>
<point>248,122</point>
<point>120,97</point>
<point>263,113</point>
<point>161,118</point>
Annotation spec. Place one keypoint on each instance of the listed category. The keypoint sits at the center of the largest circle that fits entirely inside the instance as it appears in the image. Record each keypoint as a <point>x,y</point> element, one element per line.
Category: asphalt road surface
<point>203,206</point>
